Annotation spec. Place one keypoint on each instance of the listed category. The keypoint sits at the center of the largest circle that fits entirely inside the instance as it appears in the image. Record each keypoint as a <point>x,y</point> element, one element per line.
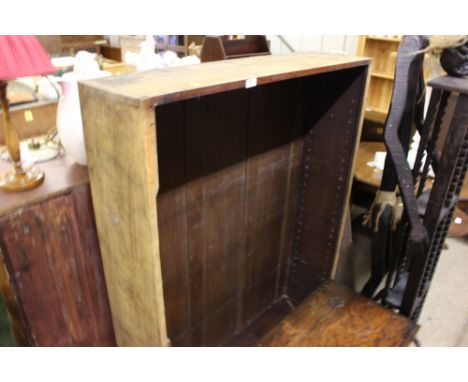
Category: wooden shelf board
<point>382,75</point>
<point>375,115</point>
<point>389,39</point>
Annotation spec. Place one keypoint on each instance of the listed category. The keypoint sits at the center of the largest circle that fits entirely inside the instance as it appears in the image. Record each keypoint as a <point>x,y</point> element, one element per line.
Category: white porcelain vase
<point>69,121</point>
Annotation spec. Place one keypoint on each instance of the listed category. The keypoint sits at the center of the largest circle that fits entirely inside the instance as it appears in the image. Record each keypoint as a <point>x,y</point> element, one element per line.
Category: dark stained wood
<point>335,108</point>
<point>215,194</point>
<point>450,83</point>
<point>262,324</point>
<point>334,316</point>
<point>52,256</point>
<point>112,53</point>
<point>223,48</point>
<point>172,219</point>
<point>228,205</point>
<point>205,209</point>
<point>273,119</point>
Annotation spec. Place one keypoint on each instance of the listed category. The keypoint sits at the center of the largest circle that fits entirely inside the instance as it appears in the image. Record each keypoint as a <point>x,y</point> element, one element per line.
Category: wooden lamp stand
<point>21,178</point>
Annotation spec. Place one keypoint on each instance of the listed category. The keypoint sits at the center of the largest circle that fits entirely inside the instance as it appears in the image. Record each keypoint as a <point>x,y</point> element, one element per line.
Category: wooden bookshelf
<point>383,51</point>
<point>232,168</point>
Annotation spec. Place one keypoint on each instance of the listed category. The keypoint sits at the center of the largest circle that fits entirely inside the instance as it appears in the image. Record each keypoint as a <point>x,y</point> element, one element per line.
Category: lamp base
<point>12,181</point>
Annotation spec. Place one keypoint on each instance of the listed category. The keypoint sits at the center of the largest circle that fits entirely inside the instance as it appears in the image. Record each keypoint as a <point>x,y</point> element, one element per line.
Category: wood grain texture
<point>383,51</point>
<point>172,220</point>
<point>123,170</point>
<point>52,255</point>
<point>251,334</point>
<point>226,206</point>
<point>228,159</point>
<point>325,178</point>
<point>215,195</point>
<point>174,84</point>
<point>334,316</point>
<point>274,121</point>
<point>229,199</point>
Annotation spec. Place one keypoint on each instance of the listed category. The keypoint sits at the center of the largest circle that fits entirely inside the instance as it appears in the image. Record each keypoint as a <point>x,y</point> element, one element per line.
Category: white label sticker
<point>251,82</point>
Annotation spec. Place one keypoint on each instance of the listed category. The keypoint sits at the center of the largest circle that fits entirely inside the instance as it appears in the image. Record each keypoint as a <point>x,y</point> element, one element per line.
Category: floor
<point>444,319</point>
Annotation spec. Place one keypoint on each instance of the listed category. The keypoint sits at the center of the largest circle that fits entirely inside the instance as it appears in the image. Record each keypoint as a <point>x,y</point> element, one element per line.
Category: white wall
<point>300,43</point>
<point>318,43</point>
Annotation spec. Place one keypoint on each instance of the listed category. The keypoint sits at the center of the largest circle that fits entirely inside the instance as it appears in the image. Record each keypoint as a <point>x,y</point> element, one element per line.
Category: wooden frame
<point>314,156</point>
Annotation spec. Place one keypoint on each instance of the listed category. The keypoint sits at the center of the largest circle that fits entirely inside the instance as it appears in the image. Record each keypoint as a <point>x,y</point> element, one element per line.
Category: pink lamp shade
<point>23,56</point>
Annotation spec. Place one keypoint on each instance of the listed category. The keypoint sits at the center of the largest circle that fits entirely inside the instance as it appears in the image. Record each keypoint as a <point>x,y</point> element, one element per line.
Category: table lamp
<point>20,56</point>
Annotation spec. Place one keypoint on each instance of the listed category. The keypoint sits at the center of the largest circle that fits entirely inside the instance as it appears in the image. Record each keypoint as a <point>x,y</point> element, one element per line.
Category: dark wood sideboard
<point>50,250</point>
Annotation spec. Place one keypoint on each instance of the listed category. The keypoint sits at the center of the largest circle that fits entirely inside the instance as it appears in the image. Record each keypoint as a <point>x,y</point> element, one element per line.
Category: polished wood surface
<point>334,316</point>
<point>225,164</point>
<point>11,135</point>
<point>371,177</point>
<point>363,173</point>
<point>61,176</point>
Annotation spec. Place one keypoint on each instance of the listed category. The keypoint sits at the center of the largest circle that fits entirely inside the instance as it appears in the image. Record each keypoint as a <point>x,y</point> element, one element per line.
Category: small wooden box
<point>219,188</point>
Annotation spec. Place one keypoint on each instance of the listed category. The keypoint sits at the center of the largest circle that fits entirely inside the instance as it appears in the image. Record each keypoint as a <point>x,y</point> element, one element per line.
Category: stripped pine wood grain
<point>175,84</point>
<point>123,172</point>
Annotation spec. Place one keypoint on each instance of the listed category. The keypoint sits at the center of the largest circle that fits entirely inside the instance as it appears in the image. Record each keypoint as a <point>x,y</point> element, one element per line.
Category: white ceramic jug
<point>69,122</point>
